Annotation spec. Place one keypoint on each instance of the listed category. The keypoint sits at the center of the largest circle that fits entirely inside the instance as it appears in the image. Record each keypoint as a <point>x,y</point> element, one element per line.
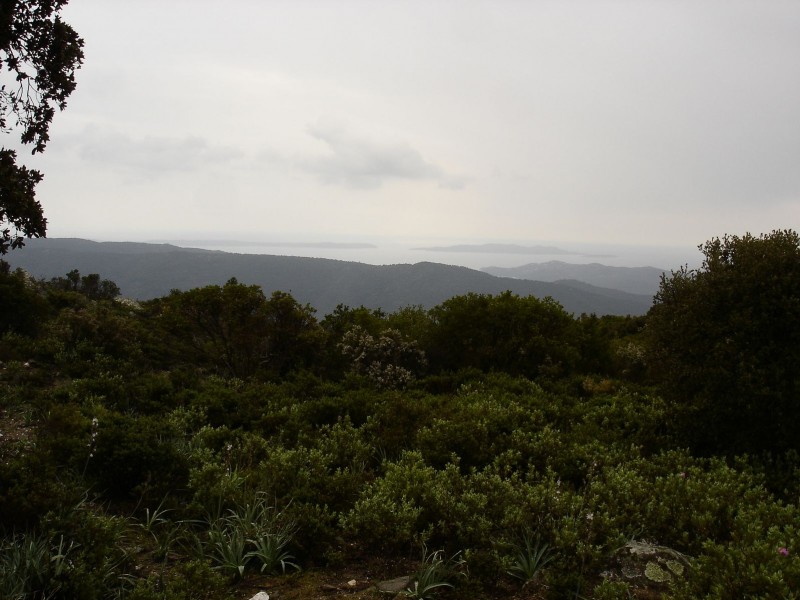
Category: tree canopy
<point>520,335</point>
<point>726,343</point>
<point>40,54</point>
<point>236,330</point>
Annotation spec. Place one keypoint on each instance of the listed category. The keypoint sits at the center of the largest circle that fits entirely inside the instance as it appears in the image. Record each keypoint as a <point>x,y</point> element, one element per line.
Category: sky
<point>660,123</point>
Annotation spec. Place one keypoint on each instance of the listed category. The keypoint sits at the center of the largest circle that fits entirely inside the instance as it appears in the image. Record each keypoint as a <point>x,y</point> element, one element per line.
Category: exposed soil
<point>359,582</point>
<point>16,433</point>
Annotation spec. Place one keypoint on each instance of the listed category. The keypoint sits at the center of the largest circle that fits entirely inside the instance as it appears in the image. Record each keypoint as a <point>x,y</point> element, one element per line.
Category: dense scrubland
<point>203,443</point>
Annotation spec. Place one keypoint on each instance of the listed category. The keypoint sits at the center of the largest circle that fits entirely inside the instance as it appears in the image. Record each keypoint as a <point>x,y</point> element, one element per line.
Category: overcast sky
<point>636,122</point>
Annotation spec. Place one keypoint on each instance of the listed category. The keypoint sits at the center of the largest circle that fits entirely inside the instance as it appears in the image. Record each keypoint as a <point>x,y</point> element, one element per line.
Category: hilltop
<point>145,271</point>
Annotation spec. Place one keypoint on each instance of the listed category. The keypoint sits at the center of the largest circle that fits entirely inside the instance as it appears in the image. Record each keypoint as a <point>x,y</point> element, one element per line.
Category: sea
<point>474,255</point>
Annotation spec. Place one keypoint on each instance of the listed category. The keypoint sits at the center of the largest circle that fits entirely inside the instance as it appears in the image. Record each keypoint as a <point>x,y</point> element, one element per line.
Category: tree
<point>294,339</point>
<point>90,285</point>
<point>521,336</point>
<point>41,53</point>
<point>22,309</point>
<point>225,325</point>
<point>725,344</point>
<point>237,331</point>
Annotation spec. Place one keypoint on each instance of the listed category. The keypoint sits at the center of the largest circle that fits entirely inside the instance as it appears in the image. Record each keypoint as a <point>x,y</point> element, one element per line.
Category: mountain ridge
<point>145,271</point>
<point>635,280</point>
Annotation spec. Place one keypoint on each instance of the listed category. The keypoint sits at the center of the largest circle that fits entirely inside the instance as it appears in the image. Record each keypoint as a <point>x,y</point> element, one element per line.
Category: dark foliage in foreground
<point>39,53</point>
<point>186,446</point>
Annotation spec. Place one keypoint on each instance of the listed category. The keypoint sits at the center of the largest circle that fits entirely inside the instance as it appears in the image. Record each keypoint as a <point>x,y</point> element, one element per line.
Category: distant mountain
<point>635,280</point>
<point>146,271</point>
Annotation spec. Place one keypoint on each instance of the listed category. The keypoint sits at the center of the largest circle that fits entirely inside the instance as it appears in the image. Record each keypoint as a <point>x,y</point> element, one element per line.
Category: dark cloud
<point>359,163</point>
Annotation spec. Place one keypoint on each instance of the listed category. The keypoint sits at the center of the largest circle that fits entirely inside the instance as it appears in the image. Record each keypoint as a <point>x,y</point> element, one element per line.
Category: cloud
<point>151,156</point>
<point>364,164</point>
<point>453,182</point>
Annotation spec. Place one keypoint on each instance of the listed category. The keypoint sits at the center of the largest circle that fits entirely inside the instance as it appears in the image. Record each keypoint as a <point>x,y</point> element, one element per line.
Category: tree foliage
<point>40,53</point>
<point>21,307</point>
<point>725,343</point>
<point>523,336</point>
<point>90,285</point>
<point>236,331</point>
<point>19,209</point>
<point>126,461</point>
<point>389,360</point>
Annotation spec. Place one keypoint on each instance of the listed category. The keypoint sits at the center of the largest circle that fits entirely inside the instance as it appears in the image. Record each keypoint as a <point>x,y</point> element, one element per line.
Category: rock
<point>647,566</point>
<point>394,586</point>
<point>260,596</point>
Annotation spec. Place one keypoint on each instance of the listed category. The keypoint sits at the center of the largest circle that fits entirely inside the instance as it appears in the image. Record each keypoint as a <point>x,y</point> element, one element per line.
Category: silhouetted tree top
<point>39,55</point>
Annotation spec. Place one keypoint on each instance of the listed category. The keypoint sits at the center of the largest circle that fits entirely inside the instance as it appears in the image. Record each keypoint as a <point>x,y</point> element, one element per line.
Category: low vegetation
<point>201,444</point>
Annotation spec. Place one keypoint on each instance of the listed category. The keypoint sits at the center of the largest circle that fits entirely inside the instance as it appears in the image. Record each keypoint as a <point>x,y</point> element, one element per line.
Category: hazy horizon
<point>379,250</point>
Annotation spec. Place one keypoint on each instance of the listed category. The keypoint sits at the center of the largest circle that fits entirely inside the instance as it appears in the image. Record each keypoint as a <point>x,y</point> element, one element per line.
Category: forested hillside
<point>146,271</point>
<point>217,441</point>
<point>634,280</point>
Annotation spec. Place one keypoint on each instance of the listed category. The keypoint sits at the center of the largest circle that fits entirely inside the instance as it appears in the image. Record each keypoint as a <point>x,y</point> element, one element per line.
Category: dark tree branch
<point>41,53</point>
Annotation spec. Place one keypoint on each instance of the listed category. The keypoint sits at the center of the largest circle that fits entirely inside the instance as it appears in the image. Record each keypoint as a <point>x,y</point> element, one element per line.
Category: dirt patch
<point>356,581</point>
<point>359,581</point>
<point>16,432</point>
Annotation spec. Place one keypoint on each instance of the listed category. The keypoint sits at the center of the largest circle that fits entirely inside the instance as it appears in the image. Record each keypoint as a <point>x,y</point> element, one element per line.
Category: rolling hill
<point>145,271</point>
<point>635,280</point>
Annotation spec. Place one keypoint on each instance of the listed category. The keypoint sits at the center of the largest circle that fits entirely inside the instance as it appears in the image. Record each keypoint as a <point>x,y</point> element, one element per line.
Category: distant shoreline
<point>471,254</point>
<point>234,243</point>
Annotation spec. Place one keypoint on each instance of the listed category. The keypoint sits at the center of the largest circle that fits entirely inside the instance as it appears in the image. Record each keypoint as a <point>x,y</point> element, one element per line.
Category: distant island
<point>232,243</point>
<point>500,249</point>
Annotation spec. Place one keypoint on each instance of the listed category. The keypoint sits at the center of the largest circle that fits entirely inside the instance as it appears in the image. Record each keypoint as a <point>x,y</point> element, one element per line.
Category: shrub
<point>725,344</point>
<point>137,454</point>
<point>389,361</point>
<point>255,532</point>
<point>32,565</point>
<point>433,575</point>
<point>531,556</point>
<point>521,336</point>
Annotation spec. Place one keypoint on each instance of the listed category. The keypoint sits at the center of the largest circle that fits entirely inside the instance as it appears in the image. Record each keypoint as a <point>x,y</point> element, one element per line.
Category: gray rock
<point>648,566</point>
<point>394,586</point>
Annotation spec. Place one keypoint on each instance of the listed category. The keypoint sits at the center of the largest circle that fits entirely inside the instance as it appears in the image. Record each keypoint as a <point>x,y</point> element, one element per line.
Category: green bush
<point>759,559</point>
<point>253,534</point>
<point>190,580</point>
<point>22,308</point>
<point>520,336</point>
<point>137,454</point>
<point>725,345</point>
